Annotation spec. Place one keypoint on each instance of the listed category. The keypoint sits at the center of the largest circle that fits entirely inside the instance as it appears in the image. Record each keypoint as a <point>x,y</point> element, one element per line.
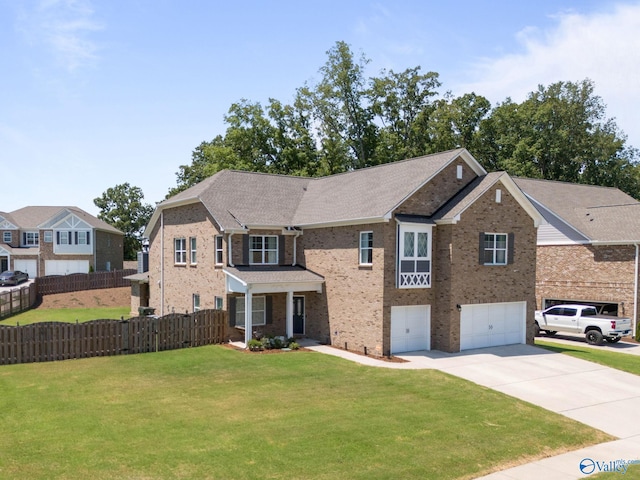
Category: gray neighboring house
<point>50,240</point>
<point>589,249</point>
<point>427,253</point>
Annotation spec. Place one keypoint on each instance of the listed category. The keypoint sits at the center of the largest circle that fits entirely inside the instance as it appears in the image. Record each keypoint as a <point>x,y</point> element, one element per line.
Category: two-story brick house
<point>49,240</point>
<point>426,253</point>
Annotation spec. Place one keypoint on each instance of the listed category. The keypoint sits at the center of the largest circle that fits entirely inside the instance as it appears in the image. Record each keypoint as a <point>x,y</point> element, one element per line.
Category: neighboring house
<point>588,251</point>
<point>426,253</point>
<point>58,241</point>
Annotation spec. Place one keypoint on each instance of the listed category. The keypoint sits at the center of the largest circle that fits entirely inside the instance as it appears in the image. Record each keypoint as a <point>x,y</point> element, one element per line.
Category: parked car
<point>13,277</point>
<point>582,319</point>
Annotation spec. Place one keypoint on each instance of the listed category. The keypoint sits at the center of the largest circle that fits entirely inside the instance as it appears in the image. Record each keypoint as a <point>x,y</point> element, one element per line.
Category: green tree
<point>559,132</point>
<point>402,103</point>
<point>122,207</point>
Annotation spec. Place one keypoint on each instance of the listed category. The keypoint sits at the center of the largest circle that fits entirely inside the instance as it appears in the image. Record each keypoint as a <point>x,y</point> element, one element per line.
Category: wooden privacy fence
<point>45,342</point>
<point>83,281</point>
<point>16,300</point>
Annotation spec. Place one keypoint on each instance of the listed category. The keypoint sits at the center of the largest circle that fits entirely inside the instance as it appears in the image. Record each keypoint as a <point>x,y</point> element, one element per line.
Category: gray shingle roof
<point>35,217</point>
<point>261,274</point>
<point>602,214</point>
<point>236,199</point>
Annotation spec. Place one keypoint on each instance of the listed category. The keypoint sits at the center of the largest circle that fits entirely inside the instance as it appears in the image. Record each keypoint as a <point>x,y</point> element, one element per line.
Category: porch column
<point>289,321</point>
<point>248,325</point>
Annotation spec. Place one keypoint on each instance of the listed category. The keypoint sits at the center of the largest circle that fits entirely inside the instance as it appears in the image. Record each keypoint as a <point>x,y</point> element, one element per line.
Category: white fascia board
<point>235,284</point>
<point>286,287</point>
<point>522,199</point>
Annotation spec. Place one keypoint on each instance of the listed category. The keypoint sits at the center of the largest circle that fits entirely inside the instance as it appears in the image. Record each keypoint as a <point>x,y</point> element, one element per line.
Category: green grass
<point>213,412</point>
<point>620,361</point>
<point>66,315</point>
<point>633,473</point>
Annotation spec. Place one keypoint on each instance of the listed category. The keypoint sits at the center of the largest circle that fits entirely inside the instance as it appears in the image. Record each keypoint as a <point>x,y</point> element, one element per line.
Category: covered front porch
<point>252,290</point>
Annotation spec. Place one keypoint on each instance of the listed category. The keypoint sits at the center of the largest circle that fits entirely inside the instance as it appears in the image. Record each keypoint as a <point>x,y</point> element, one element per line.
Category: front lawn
<point>620,361</point>
<point>37,315</point>
<point>212,412</point>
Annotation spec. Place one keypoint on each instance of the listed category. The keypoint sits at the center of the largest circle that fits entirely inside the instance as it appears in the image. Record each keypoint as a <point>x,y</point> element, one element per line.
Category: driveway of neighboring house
<point>599,396</point>
<point>8,288</point>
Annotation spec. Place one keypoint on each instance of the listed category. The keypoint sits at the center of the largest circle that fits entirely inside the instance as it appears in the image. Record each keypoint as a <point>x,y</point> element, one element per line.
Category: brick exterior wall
<point>181,282</point>
<point>587,273</point>
<point>109,248</point>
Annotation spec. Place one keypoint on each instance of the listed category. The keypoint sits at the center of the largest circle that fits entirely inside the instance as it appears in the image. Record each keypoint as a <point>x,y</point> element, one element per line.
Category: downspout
<point>295,248</point>
<point>162,263</point>
<point>230,250</point>
<point>635,296</point>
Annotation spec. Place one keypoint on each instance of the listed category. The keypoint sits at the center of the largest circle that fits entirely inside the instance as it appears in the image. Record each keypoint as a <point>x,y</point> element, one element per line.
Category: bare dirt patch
<point>108,297</point>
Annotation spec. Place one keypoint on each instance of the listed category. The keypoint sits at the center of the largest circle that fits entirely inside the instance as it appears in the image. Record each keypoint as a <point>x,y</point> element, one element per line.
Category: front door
<point>4,264</point>
<point>298,315</point>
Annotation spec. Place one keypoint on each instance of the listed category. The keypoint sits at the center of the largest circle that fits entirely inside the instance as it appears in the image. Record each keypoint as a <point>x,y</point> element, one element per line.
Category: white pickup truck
<point>582,319</point>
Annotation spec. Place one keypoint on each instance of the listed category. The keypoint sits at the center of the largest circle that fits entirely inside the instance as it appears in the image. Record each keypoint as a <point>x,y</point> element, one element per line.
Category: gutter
<point>230,250</point>
<point>634,320</point>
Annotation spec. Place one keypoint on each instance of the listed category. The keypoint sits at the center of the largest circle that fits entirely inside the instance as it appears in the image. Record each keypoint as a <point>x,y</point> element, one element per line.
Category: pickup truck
<point>582,319</point>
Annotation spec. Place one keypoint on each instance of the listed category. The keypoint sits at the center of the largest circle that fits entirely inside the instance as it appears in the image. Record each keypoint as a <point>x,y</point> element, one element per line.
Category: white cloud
<point>65,28</point>
<point>603,46</point>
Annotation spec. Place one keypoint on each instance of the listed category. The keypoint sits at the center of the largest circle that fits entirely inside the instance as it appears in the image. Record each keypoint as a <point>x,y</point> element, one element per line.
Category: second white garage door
<point>492,324</point>
<point>65,267</point>
<point>410,328</point>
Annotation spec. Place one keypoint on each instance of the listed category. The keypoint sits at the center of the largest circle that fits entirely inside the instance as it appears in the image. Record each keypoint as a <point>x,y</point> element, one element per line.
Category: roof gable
<point>44,217</point>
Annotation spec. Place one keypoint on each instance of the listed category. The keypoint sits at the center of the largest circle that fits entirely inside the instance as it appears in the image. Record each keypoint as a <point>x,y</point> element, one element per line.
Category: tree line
<point>346,121</point>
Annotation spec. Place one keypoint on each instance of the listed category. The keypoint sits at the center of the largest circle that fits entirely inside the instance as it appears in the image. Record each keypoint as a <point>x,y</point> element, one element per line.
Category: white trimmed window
<point>6,237</point>
<point>83,238</point>
<point>366,248</point>
<point>263,249</point>
<point>414,256</point>
<point>192,250</point>
<point>495,247</point>
<point>196,302</point>
<point>258,311</point>
<point>180,251</point>
<point>48,236</point>
<point>218,302</point>
<point>219,250</point>
<point>31,239</point>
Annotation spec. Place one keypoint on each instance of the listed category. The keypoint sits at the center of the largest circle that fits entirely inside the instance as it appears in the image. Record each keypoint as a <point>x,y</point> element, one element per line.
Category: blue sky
<point>95,93</point>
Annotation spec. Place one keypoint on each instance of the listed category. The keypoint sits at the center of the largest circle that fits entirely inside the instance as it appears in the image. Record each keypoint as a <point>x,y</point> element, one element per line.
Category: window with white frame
<point>258,311</point>
<point>196,302</point>
<point>31,239</point>
<point>6,237</point>
<point>366,248</point>
<point>180,251</point>
<point>64,238</point>
<point>495,248</point>
<point>192,250</point>
<point>218,303</point>
<point>83,237</point>
<point>219,250</point>
<point>263,249</point>
<point>48,236</point>
<point>414,256</point>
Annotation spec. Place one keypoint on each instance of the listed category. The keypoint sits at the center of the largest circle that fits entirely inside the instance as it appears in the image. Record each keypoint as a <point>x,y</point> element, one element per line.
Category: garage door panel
<point>493,324</point>
<point>66,267</point>
<point>28,266</point>
<point>410,328</point>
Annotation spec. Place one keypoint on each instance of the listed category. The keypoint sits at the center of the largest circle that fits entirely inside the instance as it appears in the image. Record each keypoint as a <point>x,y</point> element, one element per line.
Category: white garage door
<point>29,266</point>
<point>492,324</point>
<point>65,267</point>
<point>410,328</point>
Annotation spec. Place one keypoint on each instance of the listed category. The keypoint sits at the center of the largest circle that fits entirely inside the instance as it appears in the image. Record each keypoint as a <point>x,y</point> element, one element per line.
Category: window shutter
<point>57,238</point>
<point>281,249</point>
<point>481,249</point>
<point>24,238</point>
<point>268,307</point>
<point>510,248</point>
<point>245,249</point>
<point>89,237</point>
<point>231,304</point>
<point>76,238</point>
